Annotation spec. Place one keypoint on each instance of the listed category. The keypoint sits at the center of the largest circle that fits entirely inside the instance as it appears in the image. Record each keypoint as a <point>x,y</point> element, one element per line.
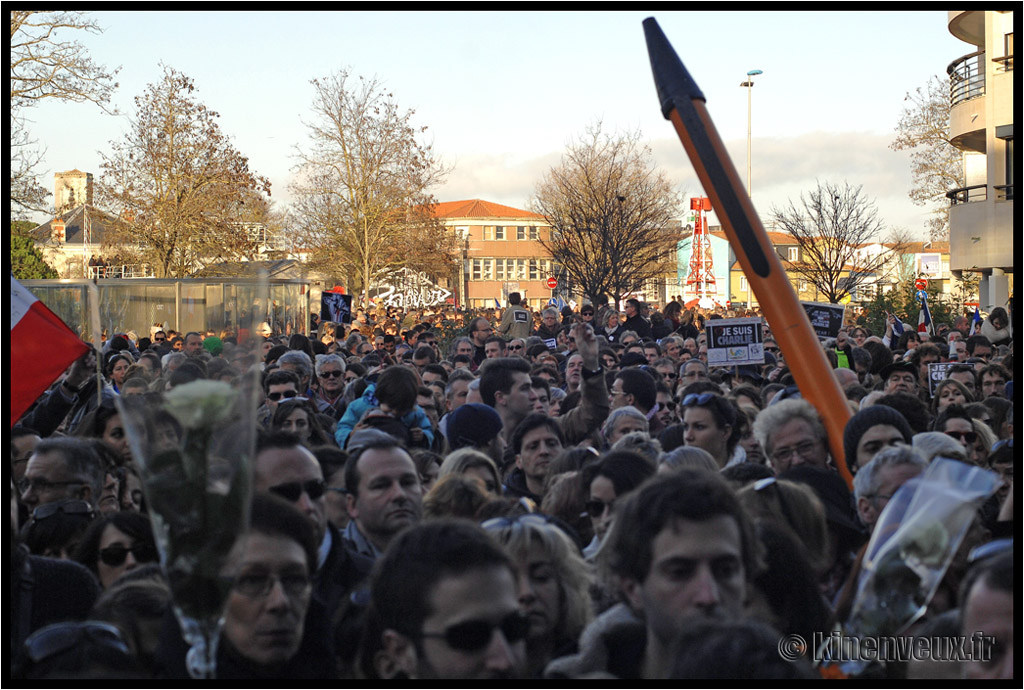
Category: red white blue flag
<point>924,321</point>
<point>42,347</point>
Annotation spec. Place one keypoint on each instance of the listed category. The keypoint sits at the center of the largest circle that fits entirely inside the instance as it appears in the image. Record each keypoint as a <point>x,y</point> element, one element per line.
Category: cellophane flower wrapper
<point>913,543</point>
<point>194,448</point>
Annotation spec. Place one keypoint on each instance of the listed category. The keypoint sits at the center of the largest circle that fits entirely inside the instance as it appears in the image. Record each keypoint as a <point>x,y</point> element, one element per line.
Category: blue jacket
<point>357,408</point>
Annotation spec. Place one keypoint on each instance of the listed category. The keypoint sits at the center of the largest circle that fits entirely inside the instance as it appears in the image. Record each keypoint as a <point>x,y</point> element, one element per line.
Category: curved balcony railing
<point>966,195</point>
<point>966,77</point>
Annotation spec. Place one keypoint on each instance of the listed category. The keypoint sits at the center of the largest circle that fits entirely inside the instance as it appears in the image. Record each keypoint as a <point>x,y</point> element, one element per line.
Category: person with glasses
<point>330,391</point>
<point>553,583</point>
<point>954,421</point>
<point>115,544</point>
<point>791,433</point>
<point>444,605</point>
<point>516,347</point>
<point>878,479</point>
<point>61,468</point>
<point>278,385</point>
<point>287,469</point>
<point>480,330</point>
<point>616,474</point>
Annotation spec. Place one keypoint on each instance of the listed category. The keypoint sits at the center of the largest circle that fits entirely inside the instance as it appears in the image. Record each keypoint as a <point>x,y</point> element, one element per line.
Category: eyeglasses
<point>41,485</point>
<point>60,637</point>
<point>670,375</point>
<point>475,635</point>
<point>771,349</point>
<point>292,491</point>
<point>336,373</point>
<point>160,340</point>
<point>277,395</point>
<point>257,584</point>
<point>116,555</point>
<point>66,507</point>
<point>595,508</point>
<point>963,436</point>
<point>803,450</point>
<point>695,399</point>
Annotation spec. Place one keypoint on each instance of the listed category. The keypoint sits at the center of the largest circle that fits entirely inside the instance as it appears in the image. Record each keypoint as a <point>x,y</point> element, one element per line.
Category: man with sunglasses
<point>286,468</point>
<point>278,385</point>
<point>444,606</point>
<point>516,348</point>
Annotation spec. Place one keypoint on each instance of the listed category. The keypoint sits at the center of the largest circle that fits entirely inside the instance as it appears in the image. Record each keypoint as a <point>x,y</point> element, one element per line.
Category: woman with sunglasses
<point>709,422</point>
<point>615,475</point>
<point>553,584</point>
<point>955,422</point>
<point>115,544</point>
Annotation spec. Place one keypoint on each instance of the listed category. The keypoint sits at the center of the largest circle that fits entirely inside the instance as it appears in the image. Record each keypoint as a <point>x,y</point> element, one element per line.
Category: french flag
<point>975,322</point>
<point>924,321</point>
<point>42,347</point>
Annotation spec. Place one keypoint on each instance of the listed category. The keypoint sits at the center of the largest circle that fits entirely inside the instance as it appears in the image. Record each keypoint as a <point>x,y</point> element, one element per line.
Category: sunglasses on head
<point>291,491</point>
<point>116,555</point>
<point>695,399</point>
<point>475,635</point>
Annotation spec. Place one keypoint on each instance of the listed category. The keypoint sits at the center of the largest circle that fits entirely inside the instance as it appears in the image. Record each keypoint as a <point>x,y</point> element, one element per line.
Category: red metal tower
<point>701,280</point>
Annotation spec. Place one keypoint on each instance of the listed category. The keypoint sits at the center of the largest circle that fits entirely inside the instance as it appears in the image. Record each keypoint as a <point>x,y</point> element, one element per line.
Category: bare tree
<point>833,224</point>
<point>612,214</point>
<point>26,194</point>
<point>362,200</point>
<point>177,186</point>
<point>936,165</point>
<point>45,65</point>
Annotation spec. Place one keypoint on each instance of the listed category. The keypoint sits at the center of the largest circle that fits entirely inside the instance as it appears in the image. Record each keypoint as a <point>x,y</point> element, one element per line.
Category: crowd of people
<point>555,494</point>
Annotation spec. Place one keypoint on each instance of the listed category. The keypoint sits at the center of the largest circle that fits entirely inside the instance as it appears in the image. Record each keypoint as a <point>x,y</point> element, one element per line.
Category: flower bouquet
<point>194,447</point>
<point>913,543</point>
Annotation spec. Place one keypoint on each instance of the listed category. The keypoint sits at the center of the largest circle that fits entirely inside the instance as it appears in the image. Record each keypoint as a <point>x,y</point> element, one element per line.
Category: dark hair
<point>275,517</point>
<point>302,344</point>
<point>672,437</point>
<point>274,353</point>
<point>725,413</point>
<point>745,649</point>
<point>331,459</point>
<point>375,441</point>
<point>975,340</point>
<point>881,356</point>
<point>406,575</point>
<point>625,469</point>
<point>911,407</point>
<point>94,423</point>
<point>949,412</point>
<point>317,435</point>
<point>132,524</point>
<point>187,372</point>
<point>422,351</point>
<point>497,374</point>
<point>397,387</point>
<point>532,421</point>
<point>433,368</point>
<point>57,532</point>
<point>689,494</point>
<point>81,459</point>
<point>279,376</point>
<point>640,385</point>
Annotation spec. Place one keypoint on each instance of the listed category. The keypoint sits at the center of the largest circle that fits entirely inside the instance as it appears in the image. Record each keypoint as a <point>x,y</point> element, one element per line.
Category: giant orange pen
<point>683,103</point>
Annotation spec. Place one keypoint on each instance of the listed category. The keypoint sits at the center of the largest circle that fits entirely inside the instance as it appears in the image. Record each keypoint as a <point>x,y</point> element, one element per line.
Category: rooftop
<point>478,208</point>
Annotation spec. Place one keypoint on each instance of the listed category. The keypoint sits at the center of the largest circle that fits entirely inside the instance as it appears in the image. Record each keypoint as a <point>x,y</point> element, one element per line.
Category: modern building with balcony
<point>981,236</point>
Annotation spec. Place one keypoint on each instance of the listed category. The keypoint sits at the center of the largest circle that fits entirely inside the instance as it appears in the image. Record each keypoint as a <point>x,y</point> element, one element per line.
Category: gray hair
<point>628,411</point>
<point>933,444</point>
<point>324,360</point>
<point>300,360</point>
<point>641,442</point>
<point>172,357</point>
<point>691,457</point>
<point>81,460</point>
<point>865,482</point>
<point>773,417</point>
<point>550,311</point>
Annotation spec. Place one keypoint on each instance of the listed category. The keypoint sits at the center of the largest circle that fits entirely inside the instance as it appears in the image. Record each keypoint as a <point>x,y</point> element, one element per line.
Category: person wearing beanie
<point>213,345</point>
<point>472,424</point>
<point>872,429</point>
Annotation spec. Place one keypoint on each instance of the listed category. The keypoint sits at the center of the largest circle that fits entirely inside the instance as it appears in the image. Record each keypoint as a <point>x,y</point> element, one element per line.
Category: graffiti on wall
<point>410,290</point>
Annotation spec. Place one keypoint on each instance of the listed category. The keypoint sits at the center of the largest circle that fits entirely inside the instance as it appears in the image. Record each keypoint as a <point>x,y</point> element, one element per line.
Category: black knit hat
<point>472,424</point>
<point>874,415</point>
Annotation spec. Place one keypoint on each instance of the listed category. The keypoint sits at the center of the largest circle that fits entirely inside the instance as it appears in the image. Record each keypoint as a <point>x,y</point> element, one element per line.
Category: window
<point>488,232</point>
<point>793,253</point>
<point>521,233</point>
<point>743,284</point>
<point>477,269</point>
<point>499,232</point>
<point>488,269</point>
<point>534,233</point>
<point>499,269</point>
<point>534,269</point>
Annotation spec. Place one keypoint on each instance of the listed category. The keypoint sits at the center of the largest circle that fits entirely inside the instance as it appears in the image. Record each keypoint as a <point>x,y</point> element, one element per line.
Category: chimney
<point>57,228</point>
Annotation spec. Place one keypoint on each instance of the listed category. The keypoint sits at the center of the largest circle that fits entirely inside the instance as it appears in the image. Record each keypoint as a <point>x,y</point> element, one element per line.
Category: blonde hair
<point>457,462</point>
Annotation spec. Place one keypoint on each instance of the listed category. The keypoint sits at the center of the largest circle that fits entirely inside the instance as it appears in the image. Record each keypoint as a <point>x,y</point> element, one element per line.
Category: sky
<point>503,93</point>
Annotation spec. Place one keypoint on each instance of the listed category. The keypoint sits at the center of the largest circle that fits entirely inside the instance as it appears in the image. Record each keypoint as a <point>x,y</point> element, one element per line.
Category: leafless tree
<point>612,214</point>
<point>362,201</point>
<point>936,165</point>
<point>177,187</point>
<point>44,64</point>
<point>833,225</point>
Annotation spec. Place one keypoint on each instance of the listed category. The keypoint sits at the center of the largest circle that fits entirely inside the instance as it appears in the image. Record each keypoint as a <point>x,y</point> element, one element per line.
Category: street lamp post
<point>749,85</point>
